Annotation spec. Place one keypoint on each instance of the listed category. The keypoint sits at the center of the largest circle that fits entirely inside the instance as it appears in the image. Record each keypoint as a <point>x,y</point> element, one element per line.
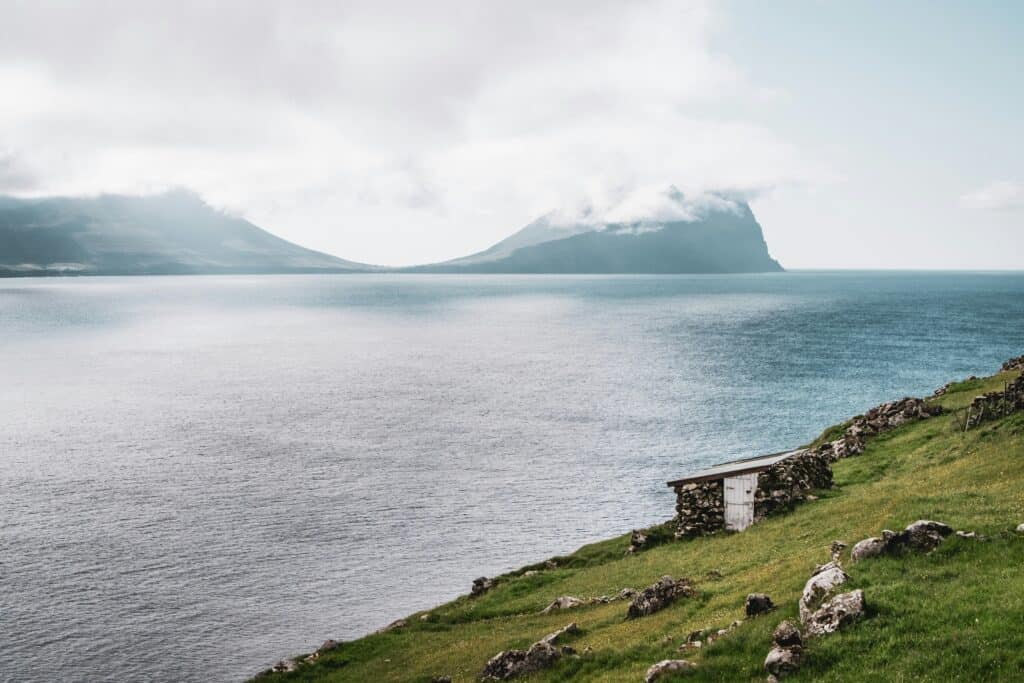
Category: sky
<point>864,134</point>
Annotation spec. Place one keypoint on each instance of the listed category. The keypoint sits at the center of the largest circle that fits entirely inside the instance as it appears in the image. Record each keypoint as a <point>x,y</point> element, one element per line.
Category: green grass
<point>954,614</point>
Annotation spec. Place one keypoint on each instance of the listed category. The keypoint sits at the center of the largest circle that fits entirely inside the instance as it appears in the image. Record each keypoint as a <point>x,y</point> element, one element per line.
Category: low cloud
<point>997,196</point>
<point>387,132</point>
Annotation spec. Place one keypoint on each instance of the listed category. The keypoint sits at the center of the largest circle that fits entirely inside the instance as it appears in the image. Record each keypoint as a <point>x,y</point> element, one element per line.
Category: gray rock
<point>783,661</point>
<point>285,666</point>
<point>541,655</point>
<point>758,603</point>
<point>787,635</point>
<point>869,547</point>
<point>564,602</point>
<point>569,629</point>
<point>481,586</point>
<point>1020,528</point>
<point>667,666</point>
<point>659,596</point>
<point>839,611</point>
<point>637,541</point>
<point>329,644</point>
<point>819,587</point>
<point>924,534</point>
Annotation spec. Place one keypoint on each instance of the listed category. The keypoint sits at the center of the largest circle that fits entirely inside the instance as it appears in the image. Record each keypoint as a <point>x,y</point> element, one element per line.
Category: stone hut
<point>735,494</point>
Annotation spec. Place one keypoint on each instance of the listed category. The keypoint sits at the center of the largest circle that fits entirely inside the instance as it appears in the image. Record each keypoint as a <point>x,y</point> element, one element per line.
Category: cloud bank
<point>393,132</point>
<point>1000,195</point>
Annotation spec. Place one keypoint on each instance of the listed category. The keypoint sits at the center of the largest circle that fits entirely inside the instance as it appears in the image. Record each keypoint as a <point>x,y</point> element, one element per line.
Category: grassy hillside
<point>954,614</point>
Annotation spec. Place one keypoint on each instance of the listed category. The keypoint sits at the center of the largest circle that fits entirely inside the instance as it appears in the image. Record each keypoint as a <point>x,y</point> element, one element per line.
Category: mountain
<point>712,234</point>
<point>175,232</point>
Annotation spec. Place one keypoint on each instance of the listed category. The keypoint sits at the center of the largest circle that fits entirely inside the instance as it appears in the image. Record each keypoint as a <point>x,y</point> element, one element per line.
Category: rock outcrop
<point>659,596</point>
<point>541,655</point>
<point>667,666</point>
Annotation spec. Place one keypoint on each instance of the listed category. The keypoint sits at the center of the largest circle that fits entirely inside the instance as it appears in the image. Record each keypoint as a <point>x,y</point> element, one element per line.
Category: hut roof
<point>736,467</point>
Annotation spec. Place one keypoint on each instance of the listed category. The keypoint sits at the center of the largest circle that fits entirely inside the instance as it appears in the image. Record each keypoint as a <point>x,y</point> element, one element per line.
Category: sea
<point>200,476</point>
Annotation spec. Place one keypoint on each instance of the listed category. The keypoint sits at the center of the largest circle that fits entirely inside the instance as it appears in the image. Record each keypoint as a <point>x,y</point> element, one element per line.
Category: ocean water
<point>202,475</point>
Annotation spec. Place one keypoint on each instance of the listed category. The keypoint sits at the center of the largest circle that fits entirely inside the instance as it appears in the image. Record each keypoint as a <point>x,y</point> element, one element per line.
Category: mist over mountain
<point>177,233</point>
<point>171,233</point>
<point>673,234</point>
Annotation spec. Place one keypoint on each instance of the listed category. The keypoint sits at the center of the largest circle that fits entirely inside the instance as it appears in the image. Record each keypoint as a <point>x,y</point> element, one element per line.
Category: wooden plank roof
<point>735,467</point>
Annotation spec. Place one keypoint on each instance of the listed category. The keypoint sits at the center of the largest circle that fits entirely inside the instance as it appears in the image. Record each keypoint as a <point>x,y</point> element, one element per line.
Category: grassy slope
<point>955,614</point>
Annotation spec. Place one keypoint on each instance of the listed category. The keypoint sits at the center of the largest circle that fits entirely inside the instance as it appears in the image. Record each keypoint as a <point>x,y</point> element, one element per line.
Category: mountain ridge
<point>178,233</point>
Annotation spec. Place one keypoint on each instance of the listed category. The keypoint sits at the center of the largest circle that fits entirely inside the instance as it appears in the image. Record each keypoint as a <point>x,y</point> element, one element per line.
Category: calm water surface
<point>201,475</point>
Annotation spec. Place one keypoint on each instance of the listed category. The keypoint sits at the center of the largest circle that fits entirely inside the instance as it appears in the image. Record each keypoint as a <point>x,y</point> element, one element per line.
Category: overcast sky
<point>867,135</point>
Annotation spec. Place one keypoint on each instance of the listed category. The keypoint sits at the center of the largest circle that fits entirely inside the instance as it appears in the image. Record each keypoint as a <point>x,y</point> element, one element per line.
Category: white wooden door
<point>739,501</point>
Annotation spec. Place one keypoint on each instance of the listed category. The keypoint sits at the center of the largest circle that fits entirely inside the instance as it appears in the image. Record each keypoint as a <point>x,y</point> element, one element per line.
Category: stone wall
<point>787,483</point>
<point>700,506</point>
<point>996,404</point>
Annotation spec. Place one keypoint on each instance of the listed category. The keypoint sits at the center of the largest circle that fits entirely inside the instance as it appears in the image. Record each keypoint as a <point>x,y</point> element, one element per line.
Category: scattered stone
<point>626,594</point>
<point>481,586</point>
<point>836,549</point>
<point>667,666</point>
<point>564,602</point>
<point>971,534</point>
<point>714,575</point>
<point>821,584</point>
<point>758,603</point>
<point>1020,528</point>
<point>660,595</point>
<point>530,572</point>
<point>541,655</point>
<point>426,617</point>
<point>551,564</point>
<point>441,679</point>
<point>839,611</point>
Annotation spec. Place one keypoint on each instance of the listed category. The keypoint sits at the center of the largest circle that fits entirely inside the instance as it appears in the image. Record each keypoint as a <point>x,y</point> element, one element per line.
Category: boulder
<point>924,534</point>
<point>329,644</point>
<point>667,666</point>
<point>869,547</point>
<point>822,584</point>
<point>787,635</point>
<point>1020,528</point>
<point>569,629</point>
<point>659,596</point>
<point>841,610</point>
<point>637,541</point>
<point>481,586</point>
<point>782,661</point>
<point>758,603</point>
<point>564,602</point>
